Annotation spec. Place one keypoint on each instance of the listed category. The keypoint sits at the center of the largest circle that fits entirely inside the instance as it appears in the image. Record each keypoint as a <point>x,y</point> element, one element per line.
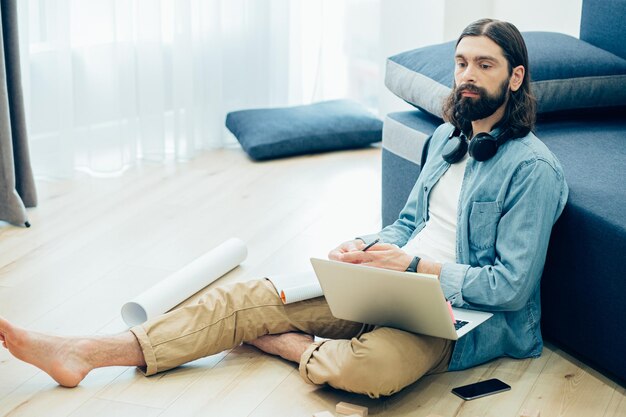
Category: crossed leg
<point>289,346</point>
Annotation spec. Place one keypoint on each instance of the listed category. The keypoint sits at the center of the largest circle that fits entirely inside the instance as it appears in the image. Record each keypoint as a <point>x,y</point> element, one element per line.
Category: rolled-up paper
<point>298,286</point>
<point>183,284</point>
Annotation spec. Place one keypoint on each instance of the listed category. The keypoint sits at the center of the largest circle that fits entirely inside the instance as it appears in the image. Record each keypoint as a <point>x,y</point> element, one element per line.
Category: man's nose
<point>468,75</point>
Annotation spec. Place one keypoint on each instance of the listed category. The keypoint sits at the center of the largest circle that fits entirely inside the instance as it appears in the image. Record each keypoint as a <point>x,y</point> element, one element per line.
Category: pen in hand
<point>369,245</point>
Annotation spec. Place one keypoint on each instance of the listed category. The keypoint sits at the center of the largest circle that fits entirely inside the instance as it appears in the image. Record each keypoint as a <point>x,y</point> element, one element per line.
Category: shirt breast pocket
<point>483,224</point>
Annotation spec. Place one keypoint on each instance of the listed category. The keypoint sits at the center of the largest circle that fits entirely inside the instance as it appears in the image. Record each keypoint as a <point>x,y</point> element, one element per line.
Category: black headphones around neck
<point>482,147</point>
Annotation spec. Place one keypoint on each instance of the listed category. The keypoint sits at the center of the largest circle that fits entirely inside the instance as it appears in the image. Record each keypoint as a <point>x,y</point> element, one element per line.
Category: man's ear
<point>517,77</point>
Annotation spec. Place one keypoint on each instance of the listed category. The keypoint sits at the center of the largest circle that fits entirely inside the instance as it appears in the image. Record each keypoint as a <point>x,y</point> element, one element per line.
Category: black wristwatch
<point>413,265</point>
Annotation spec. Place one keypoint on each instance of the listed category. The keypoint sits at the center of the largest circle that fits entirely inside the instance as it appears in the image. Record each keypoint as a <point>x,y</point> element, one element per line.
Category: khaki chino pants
<point>357,358</point>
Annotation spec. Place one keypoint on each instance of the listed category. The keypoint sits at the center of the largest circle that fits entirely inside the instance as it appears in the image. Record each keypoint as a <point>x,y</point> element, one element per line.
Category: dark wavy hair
<point>520,112</point>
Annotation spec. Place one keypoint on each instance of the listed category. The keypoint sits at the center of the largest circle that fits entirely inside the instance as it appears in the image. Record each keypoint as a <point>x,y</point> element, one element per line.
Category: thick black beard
<point>468,109</point>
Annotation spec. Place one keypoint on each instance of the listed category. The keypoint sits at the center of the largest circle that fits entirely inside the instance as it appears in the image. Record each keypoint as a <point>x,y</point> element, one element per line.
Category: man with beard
<point>479,218</point>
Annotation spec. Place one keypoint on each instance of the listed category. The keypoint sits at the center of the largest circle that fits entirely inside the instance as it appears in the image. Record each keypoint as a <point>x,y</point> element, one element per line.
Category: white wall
<point>460,13</point>
<point>545,15</point>
<point>404,25</point>
<point>410,24</point>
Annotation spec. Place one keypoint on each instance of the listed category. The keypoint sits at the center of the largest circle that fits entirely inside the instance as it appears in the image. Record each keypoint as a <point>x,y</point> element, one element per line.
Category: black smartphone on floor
<point>481,389</point>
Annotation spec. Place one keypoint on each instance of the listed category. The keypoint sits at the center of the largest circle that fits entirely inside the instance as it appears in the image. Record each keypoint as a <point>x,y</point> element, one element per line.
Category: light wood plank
<point>567,387</point>
<point>161,390</point>
<point>41,396</point>
<point>96,407</point>
<point>234,387</point>
<point>617,406</point>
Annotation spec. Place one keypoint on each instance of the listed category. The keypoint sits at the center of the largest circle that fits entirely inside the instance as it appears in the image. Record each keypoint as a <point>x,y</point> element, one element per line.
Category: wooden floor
<point>96,243</point>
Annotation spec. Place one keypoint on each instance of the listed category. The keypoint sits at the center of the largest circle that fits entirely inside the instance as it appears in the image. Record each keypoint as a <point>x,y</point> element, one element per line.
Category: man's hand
<point>346,247</point>
<point>381,255</point>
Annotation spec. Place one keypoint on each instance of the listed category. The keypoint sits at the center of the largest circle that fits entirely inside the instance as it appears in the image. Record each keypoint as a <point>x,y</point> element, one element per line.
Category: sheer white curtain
<point>111,82</point>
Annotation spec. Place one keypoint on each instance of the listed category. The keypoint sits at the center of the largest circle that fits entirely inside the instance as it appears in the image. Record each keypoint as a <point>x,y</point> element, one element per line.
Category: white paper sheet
<point>183,284</point>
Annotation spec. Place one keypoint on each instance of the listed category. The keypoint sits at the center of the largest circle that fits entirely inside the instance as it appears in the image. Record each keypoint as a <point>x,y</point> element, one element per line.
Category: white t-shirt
<point>437,240</point>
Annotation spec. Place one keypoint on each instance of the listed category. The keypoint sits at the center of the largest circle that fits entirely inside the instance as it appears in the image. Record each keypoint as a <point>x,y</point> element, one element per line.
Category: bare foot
<point>289,346</point>
<point>64,359</point>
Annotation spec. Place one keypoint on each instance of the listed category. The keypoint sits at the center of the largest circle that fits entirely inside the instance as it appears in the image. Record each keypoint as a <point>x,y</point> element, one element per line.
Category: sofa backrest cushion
<point>603,24</point>
<point>566,73</point>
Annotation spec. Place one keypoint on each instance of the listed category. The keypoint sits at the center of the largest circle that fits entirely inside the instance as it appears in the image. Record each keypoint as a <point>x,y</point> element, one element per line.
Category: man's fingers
<point>353,245</point>
<point>383,246</point>
<point>351,257</point>
<point>352,252</point>
<point>334,255</point>
<point>356,257</point>
<point>346,247</point>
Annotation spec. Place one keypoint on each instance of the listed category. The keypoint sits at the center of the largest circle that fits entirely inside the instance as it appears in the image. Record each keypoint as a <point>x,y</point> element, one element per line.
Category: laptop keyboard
<point>459,323</point>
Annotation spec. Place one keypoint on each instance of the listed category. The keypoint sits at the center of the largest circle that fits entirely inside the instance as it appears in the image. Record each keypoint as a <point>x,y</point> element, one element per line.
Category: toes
<point>5,328</point>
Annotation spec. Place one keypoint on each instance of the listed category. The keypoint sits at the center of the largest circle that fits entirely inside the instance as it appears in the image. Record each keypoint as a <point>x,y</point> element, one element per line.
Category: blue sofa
<point>584,279</point>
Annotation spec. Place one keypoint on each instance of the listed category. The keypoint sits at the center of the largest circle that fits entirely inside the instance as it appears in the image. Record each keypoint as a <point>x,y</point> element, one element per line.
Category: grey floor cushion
<point>320,127</point>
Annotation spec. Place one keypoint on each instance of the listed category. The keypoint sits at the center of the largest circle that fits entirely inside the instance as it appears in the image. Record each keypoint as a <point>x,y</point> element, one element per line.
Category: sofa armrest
<point>404,136</point>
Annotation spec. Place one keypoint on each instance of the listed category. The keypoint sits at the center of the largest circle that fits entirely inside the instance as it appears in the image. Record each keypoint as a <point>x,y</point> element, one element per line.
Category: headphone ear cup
<point>455,149</point>
<point>483,147</point>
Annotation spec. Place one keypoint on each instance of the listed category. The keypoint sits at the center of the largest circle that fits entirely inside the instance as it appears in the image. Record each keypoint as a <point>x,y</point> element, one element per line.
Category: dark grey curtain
<point>17,187</point>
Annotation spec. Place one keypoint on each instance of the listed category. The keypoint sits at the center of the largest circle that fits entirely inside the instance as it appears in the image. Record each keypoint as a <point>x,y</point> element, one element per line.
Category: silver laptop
<point>403,300</point>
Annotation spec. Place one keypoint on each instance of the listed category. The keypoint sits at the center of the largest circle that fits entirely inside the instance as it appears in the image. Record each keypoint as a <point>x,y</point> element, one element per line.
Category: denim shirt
<point>507,207</point>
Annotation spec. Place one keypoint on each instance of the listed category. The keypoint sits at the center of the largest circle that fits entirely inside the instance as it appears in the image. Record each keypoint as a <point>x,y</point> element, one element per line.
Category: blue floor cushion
<point>325,126</point>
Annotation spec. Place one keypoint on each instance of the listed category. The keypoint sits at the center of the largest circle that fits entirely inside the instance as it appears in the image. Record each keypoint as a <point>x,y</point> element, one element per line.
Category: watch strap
<point>413,265</point>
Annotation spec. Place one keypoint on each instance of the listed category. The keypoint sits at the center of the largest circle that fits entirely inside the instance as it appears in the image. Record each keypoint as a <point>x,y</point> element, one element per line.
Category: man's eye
<point>460,64</point>
<point>485,66</point>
